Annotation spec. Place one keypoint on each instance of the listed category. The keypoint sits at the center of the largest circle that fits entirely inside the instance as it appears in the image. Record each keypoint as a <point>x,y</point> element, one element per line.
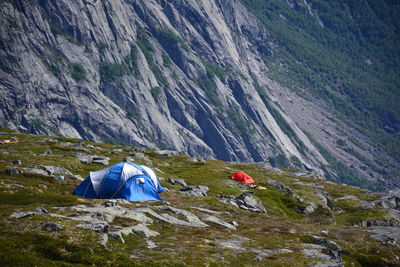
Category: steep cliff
<point>183,75</point>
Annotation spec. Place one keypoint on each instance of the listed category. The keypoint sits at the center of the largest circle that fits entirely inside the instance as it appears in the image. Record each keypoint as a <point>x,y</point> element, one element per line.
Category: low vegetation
<point>24,241</point>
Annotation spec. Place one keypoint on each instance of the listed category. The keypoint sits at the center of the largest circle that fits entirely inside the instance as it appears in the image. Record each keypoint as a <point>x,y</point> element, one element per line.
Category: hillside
<point>282,82</point>
<point>294,218</point>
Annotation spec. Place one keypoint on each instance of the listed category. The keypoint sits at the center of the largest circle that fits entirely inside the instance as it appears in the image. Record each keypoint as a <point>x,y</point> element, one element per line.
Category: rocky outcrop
<point>244,201</point>
<point>182,75</point>
<point>197,191</point>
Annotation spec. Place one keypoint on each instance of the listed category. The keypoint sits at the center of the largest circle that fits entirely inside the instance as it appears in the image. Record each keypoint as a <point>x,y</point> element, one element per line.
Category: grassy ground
<point>23,241</point>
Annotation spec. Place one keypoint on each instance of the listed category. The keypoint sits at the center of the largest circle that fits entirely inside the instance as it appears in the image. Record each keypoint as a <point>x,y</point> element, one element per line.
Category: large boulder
<point>244,201</point>
<point>197,191</point>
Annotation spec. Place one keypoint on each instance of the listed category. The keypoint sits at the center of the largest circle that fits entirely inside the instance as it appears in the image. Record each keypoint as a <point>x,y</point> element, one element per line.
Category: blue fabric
<point>110,183</point>
<point>134,191</point>
<point>113,187</point>
<point>160,188</point>
<point>85,189</point>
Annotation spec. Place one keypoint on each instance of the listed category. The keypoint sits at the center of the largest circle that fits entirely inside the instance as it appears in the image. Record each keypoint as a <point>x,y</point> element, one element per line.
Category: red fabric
<point>242,177</point>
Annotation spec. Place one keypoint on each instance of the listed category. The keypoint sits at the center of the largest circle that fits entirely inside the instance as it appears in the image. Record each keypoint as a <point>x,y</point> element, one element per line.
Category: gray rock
<point>151,244</point>
<point>12,171</point>
<point>78,177</point>
<point>387,235</point>
<point>315,254</point>
<point>102,214</point>
<point>52,227</point>
<point>48,140</point>
<point>234,223</point>
<point>117,150</point>
<point>218,221</point>
<point>280,186</point>
<point>128,159</point>
<point>394,214</point>
<point>310,185</point>
<point>326,199</point>
<point>82,149</point>
<point>117,236</point>
<point>21,214</point>
<point>349,197</point>
<point>192,219</point>
<point>144,231</point>
<point>103,239</point>
<point>117,232</point>
<point>177,181</point>
<point>310,208</point>
<point>367,205</point>
<point>334,249</point>
<point>383,222</point>
<point>110,203</point>
<point>197,191</point>
<point>97,227</point>
<point>66,144</point>
<point>86,158</point>
<point>208,210</point>
<point>231,183</point>
<point>391,200</point>
<point>300,174</point>
<point>42,211</point>
<point>236,245</point>
<point>55,170</point>
<point>100,160</point>
<point>47,153</point>
<point>139,155</point>
<point>259,258</point>
<point>34,171</point>
<point>266,166</point>
<point>31,171</point>
<point>244,201</point>
<point>166,153</point>
<point>322,241</point>
<point>16,162</point>
<point>324,232</point>
<point>107,217</point>
<point>327,264</point>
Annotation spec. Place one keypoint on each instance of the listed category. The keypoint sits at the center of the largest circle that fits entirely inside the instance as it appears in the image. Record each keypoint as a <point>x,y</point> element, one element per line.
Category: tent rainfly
<point>125,180</point>
<point>242,177</point>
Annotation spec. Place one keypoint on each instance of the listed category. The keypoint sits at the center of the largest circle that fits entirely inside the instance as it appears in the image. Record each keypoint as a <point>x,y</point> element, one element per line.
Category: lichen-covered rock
<point>218,221</point>
<point>197,191</point>
<point>244,201</point>
<point>176,181</point>
<point>52,227</point>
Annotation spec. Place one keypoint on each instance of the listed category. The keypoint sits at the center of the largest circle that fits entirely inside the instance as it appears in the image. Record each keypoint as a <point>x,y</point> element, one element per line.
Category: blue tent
<point>125,180</point>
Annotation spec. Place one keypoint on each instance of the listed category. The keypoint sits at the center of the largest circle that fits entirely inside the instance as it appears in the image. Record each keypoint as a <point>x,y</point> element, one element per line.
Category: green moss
<point>25,197</point>
<point>356,216</point>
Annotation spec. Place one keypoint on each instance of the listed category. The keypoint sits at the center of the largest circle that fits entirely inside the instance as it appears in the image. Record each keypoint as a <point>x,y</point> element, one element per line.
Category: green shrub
<point>155,91</point>
<point>214,70</point>
<point>109,71</point>
<point>102,47</point>
<point>77,71</point>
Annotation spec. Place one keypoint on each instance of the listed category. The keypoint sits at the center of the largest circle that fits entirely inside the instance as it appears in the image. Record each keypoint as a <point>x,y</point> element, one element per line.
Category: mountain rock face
<point>181,75</point>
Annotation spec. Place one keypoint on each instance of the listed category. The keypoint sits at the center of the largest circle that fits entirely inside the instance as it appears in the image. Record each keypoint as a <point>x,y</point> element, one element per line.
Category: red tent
<point>242,177</point>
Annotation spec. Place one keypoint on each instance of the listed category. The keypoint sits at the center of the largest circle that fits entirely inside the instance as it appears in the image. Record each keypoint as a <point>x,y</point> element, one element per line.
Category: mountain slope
<point>183,75</point>
<point>308,221</point>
